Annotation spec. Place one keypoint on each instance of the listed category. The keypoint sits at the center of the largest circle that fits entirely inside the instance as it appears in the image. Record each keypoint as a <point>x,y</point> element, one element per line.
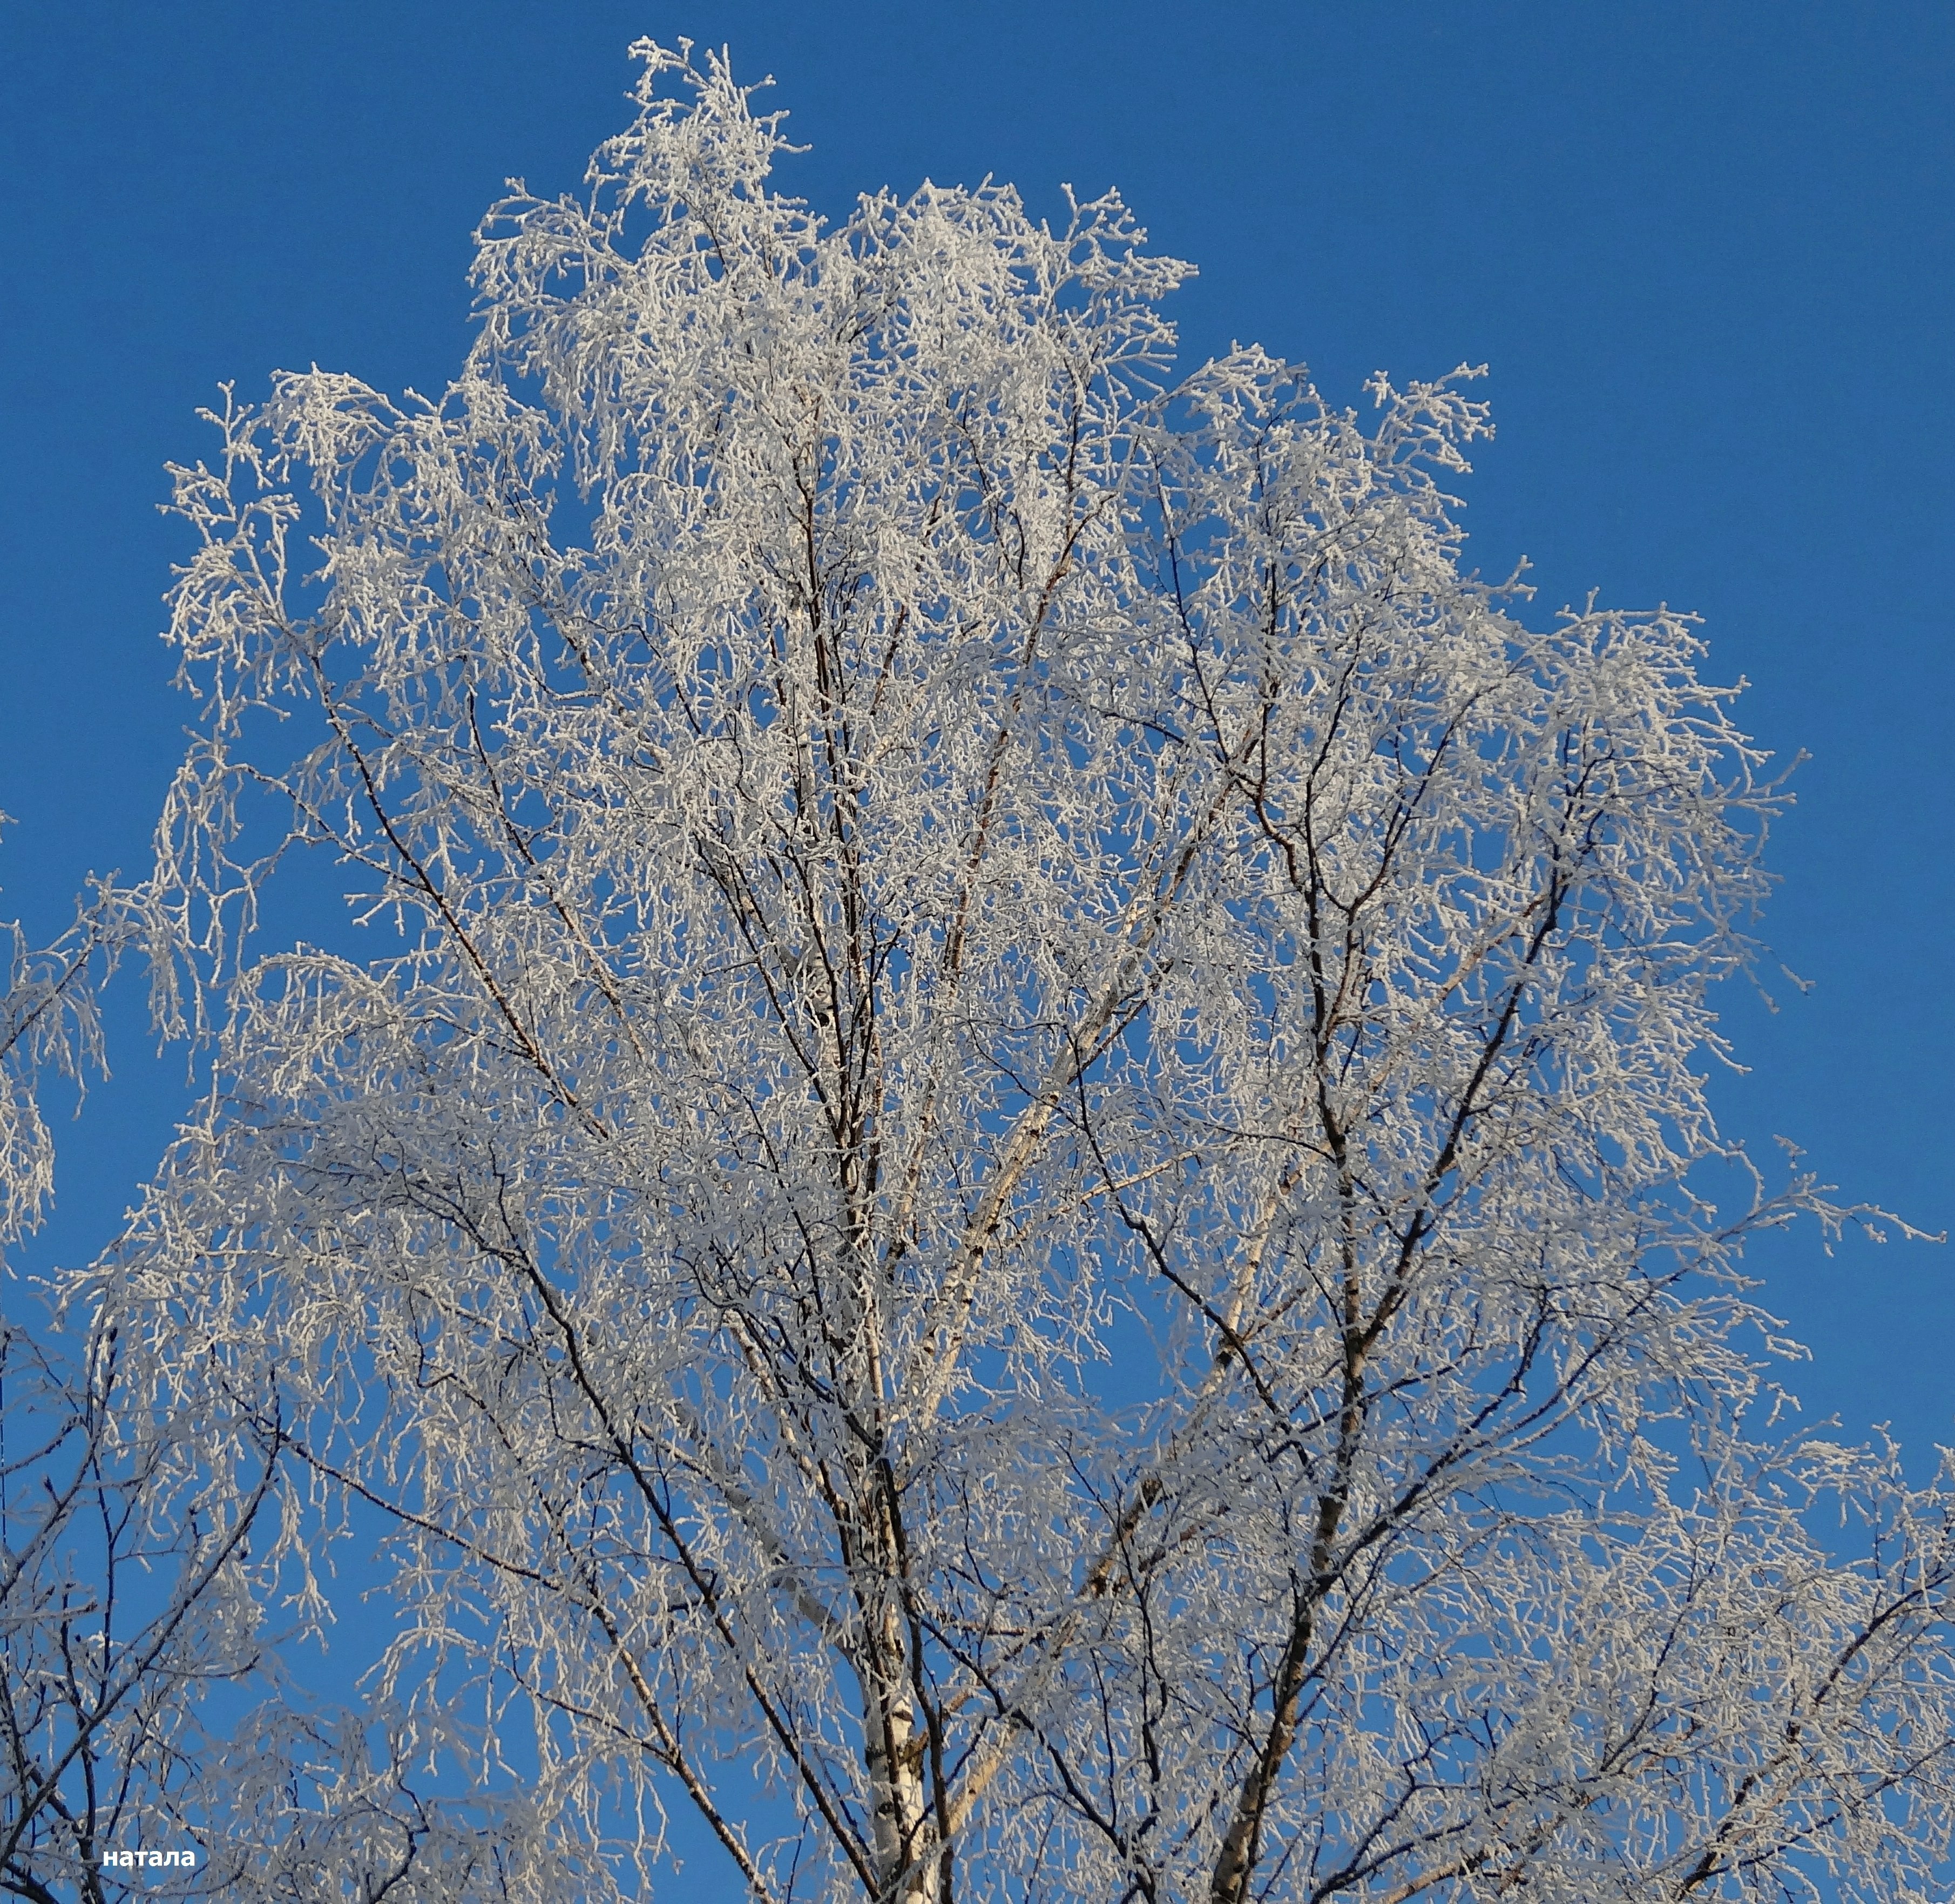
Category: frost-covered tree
<point>1016,1198</point>
<point>123,1594</point>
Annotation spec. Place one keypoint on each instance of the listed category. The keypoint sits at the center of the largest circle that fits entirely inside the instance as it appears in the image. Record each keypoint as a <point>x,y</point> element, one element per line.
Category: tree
<point>124,1592</point>
<point>1019,1203</point>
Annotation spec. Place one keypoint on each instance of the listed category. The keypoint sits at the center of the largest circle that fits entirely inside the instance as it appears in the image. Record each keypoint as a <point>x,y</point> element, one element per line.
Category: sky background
<point>1704,249</point>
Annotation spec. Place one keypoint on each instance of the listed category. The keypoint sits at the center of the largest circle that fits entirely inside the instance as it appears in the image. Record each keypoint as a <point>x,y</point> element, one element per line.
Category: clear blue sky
<point>1706,250</point>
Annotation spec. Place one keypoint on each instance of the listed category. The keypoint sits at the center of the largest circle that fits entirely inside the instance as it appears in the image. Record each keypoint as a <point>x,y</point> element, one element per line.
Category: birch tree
<point>1015,1195</point>
<point>123,1598</point>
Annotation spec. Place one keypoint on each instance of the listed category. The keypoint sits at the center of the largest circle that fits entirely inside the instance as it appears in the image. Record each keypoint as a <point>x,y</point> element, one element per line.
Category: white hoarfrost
<point>124,1596</point>
<point>1011,1199</point>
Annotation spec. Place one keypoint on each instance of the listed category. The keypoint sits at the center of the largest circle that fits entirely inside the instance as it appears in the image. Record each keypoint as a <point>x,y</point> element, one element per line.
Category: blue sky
<point>1706,251</point>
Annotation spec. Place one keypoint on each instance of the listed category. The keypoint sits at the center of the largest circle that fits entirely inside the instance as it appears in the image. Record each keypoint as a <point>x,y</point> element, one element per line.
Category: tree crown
<point>1016,1211</point>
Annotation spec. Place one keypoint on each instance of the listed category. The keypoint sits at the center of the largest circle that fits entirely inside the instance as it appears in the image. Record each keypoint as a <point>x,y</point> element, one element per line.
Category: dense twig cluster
<point>122,1594</point>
